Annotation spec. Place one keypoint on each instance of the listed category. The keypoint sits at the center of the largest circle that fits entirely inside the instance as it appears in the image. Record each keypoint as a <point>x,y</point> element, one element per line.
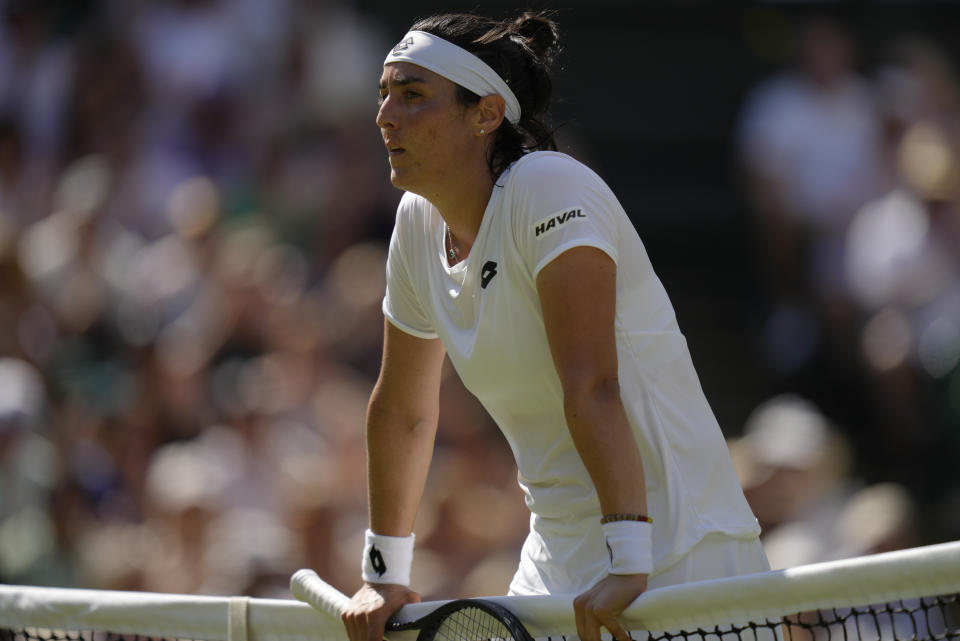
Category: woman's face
<point>427,133</point>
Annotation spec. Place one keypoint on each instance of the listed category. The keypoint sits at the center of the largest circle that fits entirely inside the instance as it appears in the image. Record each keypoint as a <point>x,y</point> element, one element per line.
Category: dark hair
<point>521,51</point>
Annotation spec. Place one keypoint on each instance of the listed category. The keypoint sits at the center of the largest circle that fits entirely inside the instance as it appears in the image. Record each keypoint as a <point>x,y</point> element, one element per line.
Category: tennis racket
<point>458,620</point>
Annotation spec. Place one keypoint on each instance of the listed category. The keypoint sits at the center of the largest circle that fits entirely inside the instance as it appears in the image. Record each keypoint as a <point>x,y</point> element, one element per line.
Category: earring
<point>482,132</point>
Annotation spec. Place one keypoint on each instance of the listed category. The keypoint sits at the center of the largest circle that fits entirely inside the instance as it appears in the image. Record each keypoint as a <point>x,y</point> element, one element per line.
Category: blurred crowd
<point>194,210</point>
<point>851,162</point>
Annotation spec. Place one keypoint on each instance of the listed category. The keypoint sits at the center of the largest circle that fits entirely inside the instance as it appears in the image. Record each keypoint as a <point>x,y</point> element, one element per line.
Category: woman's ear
<point>490,113</point>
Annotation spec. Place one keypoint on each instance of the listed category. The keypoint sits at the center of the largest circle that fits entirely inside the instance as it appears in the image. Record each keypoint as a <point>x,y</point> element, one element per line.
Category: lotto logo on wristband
<point>387,559</point>
<point>376,561</point>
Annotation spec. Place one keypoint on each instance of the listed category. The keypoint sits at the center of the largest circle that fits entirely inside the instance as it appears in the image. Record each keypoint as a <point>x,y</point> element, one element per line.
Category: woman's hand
<point>366,616</point>
<point>603,603</point>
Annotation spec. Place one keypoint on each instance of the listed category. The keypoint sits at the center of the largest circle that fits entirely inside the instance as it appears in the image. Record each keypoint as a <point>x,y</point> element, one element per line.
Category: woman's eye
<point>408,94</point>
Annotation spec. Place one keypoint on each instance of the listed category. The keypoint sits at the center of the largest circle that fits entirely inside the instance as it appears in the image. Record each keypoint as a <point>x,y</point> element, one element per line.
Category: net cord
<point>906,574</point>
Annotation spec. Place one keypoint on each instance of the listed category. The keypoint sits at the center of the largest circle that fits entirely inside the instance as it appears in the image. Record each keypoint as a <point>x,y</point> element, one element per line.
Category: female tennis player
<point>520,264</point>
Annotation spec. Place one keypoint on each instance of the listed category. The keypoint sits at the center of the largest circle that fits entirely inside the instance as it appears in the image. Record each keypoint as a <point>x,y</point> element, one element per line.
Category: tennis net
<point>909,594</point>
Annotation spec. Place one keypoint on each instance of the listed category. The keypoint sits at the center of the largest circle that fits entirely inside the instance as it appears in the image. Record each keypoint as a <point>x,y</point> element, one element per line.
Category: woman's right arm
<point>401,425</point>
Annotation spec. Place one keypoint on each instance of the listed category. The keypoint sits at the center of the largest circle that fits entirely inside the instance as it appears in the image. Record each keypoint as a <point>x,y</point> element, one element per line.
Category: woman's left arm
<point>577,293</point>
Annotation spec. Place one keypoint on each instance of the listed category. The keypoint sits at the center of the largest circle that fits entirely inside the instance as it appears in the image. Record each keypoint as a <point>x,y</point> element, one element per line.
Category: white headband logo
<point>455,64</point>
<point>403,45</point>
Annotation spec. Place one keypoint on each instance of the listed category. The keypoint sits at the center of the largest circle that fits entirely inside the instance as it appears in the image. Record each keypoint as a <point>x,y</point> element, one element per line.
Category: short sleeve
<point>557,204</point>
<point>402,304</point>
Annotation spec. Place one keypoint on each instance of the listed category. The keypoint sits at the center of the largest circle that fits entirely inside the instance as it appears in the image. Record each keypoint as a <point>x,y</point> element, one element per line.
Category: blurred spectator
<point>809,141</point>
<point>29,473</point>
<point>903,267</point>
<point>796,471</point>
<point>36,68</point>
<point>879,518</point>
<point>21,190</point>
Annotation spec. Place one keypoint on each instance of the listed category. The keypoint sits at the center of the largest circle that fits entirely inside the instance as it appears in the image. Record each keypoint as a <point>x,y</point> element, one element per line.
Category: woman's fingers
<point>600,606</point>
<point>365,619</point>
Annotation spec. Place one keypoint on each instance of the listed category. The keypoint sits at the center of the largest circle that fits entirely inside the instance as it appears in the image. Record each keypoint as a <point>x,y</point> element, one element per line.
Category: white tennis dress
<point>486,311</point>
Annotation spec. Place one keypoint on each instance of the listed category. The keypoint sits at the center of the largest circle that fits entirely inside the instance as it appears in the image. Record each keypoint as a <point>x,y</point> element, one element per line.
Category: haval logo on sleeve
<point>553,221</point>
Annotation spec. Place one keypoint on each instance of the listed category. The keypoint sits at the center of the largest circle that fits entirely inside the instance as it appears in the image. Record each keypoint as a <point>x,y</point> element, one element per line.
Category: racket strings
<point>473,624</point>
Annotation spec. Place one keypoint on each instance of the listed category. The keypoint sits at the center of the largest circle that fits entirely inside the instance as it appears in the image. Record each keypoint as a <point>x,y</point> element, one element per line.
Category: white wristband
<point>630,544</point>
<point>387,559</point>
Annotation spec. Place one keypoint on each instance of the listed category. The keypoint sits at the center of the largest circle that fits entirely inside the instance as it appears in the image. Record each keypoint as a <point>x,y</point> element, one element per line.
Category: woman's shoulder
<point>549,165</point>
<point>551,172</point>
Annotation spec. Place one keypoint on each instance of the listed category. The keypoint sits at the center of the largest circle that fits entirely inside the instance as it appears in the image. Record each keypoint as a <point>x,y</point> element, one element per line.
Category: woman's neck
<point>462,206</point>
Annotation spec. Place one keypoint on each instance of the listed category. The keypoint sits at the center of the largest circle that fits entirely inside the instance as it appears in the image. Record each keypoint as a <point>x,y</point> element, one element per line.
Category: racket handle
<point>307,586</point>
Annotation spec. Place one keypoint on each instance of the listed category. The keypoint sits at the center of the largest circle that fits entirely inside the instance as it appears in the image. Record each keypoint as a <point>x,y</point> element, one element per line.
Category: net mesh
<point>932,618</point>
<point>904,596</point>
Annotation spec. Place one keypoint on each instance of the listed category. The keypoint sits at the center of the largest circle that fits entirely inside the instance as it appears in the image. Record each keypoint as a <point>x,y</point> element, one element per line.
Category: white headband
<point>456,64</point>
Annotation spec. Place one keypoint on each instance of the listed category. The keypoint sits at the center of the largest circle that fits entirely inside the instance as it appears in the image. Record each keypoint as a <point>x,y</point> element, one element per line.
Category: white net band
<point>896,576</point>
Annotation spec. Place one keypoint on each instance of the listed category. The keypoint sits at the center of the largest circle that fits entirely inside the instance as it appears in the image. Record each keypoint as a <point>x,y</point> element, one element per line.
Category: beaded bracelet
<point>613,518</point>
